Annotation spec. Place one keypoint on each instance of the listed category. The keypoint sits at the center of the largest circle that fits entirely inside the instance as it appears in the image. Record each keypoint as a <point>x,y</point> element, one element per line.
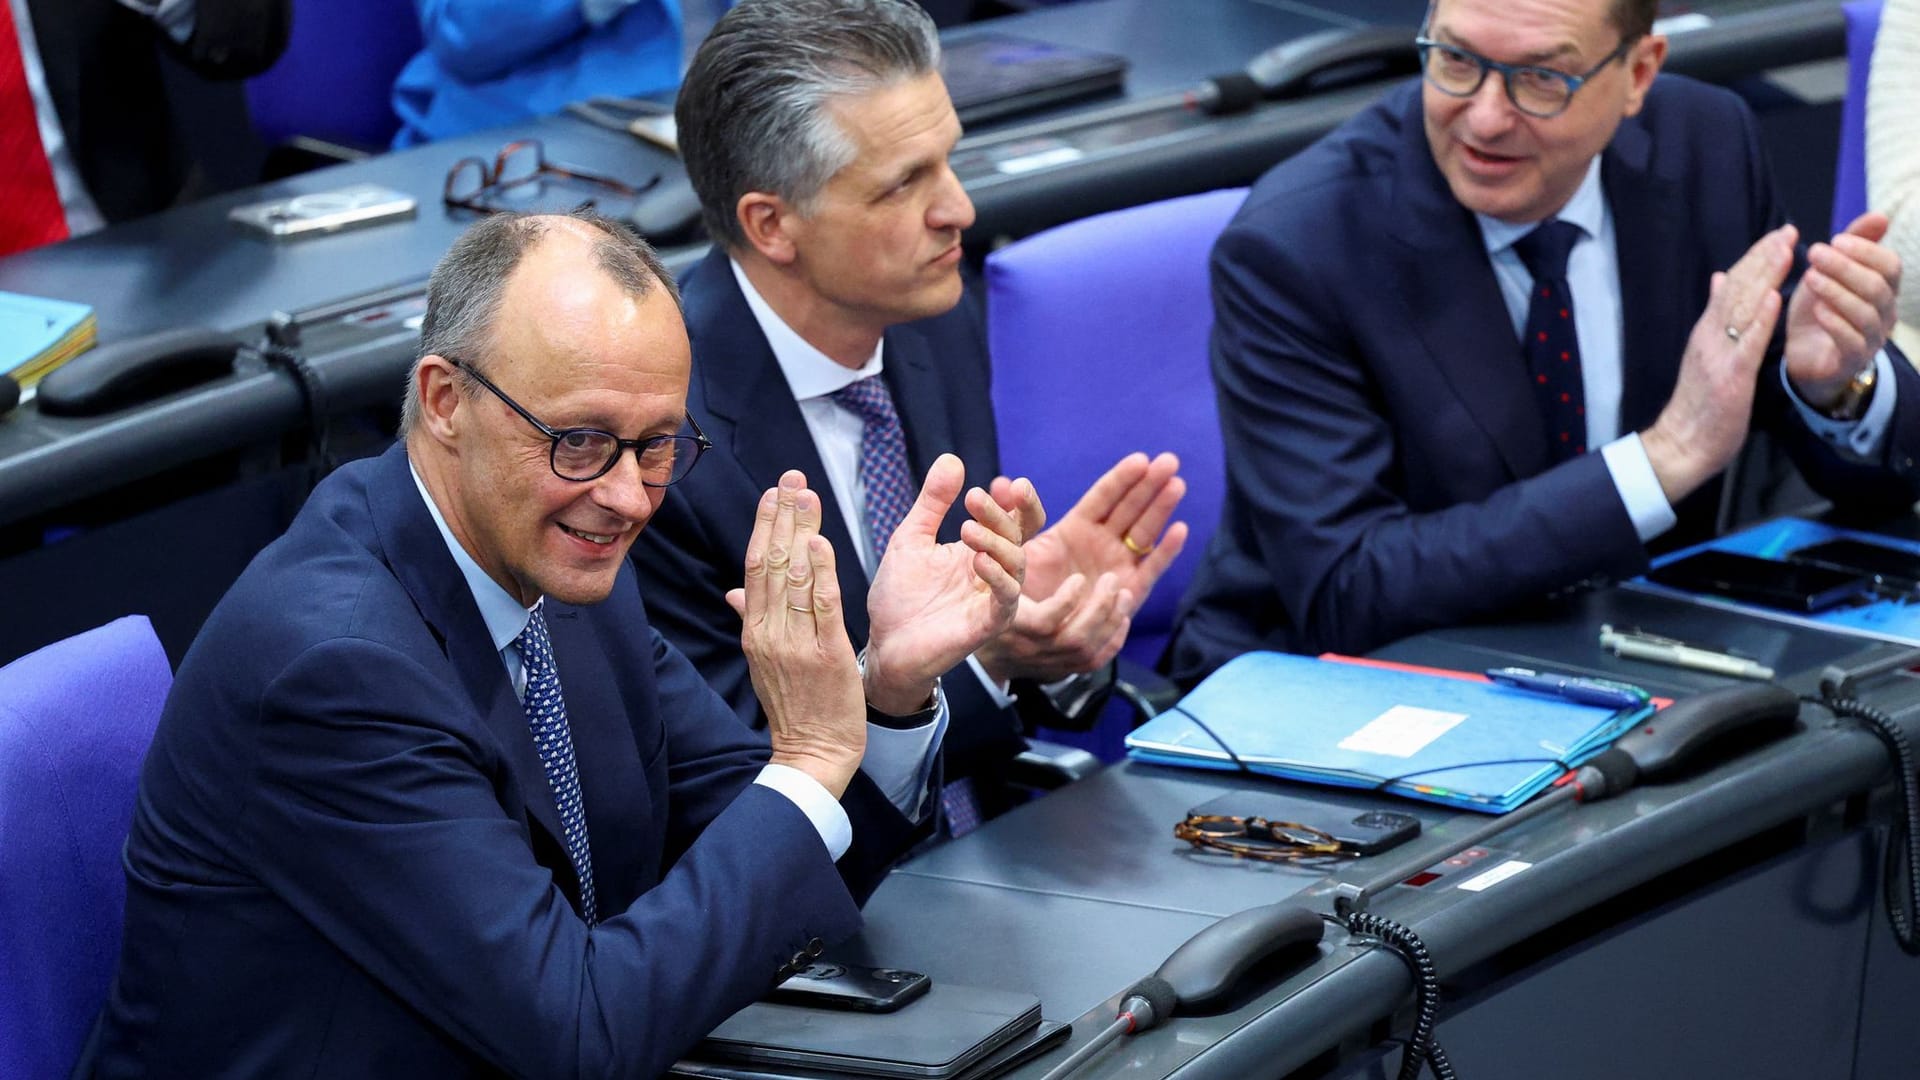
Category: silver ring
<point>1733,332</point>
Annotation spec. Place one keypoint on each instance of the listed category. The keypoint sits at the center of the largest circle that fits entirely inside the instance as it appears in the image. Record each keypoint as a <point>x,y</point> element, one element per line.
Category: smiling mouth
<point>1485,158</point>
<point>591,538</point>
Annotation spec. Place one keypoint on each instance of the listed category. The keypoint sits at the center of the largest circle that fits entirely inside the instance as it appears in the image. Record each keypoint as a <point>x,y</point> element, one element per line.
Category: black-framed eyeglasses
<point>474,183</point>
<point>581,454</point>
<point>1539,92</point>
<point>1257,838</point>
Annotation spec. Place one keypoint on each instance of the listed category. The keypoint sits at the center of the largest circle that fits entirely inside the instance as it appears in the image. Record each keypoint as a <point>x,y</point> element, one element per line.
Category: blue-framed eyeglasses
<point>1537,91</point>
<point>582,454</point>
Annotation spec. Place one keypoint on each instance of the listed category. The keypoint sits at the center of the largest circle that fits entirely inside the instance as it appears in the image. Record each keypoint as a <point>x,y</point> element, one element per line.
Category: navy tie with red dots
<point>1551,346</point>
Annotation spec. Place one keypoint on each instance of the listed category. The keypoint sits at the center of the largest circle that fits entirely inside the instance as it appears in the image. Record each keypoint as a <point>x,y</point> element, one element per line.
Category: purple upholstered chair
<point>335,81</point>
<point>1850,174</point>
<point>1099,335</point>
<point>75,721</point>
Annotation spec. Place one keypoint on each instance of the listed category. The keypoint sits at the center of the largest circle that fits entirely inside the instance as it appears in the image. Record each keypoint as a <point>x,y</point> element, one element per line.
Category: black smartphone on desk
<point>830,984</point>
<point>1889,566</point>
<point>1803,588</point>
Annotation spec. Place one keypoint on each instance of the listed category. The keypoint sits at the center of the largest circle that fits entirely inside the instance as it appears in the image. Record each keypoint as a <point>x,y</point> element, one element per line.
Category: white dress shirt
<point>1593,275</point>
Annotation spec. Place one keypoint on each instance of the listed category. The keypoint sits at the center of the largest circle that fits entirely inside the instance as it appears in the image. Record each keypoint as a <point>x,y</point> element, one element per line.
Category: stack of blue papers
<point>1459,742</point>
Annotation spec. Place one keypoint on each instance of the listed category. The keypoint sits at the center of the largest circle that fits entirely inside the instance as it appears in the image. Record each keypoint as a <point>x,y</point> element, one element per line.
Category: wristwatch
<point>1853,399</point>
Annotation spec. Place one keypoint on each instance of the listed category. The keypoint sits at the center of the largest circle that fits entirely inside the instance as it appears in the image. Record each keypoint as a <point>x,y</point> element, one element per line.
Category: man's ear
<point>438,385</point>
<point>768,223</point>
<point>1643,63</point>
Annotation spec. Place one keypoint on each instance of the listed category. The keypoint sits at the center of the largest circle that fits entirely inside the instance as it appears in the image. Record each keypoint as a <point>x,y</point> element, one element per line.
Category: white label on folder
<point>1483,882</point>
<point>1401,731</point>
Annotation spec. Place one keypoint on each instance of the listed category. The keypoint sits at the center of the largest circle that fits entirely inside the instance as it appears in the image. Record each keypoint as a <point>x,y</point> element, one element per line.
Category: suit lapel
<point>759,422</point>
<point>419,558</point>
<point>1446,283</point>
<point>1644,210</point>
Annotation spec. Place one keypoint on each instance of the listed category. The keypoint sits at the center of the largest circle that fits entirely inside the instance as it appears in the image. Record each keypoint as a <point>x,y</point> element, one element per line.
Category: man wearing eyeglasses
<point>831,334</point>
<point>431,798</point>
<point>1476,346</point>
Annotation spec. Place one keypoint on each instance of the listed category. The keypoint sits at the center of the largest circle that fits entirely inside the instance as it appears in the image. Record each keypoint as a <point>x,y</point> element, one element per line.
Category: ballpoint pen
<point>1639,645</point>
<point>1571,687</point>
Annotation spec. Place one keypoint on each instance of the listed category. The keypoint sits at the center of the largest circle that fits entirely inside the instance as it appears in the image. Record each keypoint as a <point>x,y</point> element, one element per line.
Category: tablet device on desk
<point>1889,566</point>
<point>949,1030</point>
<point>994,75</point>
<point>1788,586</point>
<point>1041,1038</point>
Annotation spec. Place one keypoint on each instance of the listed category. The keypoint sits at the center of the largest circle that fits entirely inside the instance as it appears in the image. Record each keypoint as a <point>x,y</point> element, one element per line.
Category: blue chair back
<point>75,721</point>
<point>1099,334</point>
<point>335,81</point>
<point>1850,173</point>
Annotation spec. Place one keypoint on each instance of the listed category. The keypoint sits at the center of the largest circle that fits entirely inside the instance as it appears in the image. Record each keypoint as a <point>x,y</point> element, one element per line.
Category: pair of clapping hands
<point>1026,600</point>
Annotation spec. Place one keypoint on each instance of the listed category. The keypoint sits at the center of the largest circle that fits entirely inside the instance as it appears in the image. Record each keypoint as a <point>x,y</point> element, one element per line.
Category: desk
<point>1752,882</point>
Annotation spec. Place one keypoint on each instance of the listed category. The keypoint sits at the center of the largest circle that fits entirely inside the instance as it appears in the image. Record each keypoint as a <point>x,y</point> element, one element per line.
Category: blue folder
<point>1458,742</point>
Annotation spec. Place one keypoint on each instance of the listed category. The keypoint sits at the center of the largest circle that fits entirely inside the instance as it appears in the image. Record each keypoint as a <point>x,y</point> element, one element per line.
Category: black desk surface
<point>1079,894</point>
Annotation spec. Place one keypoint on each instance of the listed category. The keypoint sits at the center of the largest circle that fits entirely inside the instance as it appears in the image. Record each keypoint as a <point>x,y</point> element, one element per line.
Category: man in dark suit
<point>431,798</point>
<point>1424,321</point>
<point>113,148</point>
<point>817,134</point>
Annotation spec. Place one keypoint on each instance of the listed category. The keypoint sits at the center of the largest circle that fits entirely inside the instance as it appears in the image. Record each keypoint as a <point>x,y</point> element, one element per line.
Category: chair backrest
<point>335,81</point>
<point>1850,172</point>
<point>75,721</point>
<point>1099,335</point>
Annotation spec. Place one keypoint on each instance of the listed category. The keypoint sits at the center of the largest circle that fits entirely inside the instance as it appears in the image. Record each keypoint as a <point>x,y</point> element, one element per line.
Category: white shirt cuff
<point>1639,486</point>
<point>900,761</point>
<point>1863,439</point>
<point>1001,695</point>
<point>601,12</point>
<point>829,818</point>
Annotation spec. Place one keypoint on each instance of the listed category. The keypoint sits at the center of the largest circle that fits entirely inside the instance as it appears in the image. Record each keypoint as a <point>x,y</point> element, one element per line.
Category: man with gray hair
<point>431,798</point>
<point>830,336</point>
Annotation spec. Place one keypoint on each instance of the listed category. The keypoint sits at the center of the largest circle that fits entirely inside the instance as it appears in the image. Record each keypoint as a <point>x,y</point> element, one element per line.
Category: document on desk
<point>38,335</point>
<point>1461,742</point>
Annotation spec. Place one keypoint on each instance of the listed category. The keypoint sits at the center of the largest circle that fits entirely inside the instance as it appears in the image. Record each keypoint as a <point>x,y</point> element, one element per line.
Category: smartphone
<point>833,985</point>
<point>1888,566</point>
<point>324,212</point>
<point>1363,832</point>
<point>1788,586</point>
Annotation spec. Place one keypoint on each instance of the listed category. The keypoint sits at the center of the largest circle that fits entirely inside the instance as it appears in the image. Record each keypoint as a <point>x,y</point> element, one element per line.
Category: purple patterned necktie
<point>547,716</point>
<point>889,494</point>
<point>1549,342</point>
<point>884,472</point>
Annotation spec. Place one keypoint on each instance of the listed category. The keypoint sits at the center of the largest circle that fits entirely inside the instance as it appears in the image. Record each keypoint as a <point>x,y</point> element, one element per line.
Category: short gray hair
<point>467,287</point>
<point>752,109</point>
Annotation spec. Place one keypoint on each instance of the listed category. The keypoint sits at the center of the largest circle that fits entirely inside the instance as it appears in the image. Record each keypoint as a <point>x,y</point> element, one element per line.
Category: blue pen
<point>1570,687</point>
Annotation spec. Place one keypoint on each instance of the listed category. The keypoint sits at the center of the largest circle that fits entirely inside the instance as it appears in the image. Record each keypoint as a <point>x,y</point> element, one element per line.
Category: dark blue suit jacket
<point>694,549</point>
<point>346,860</point>
<point>1388,470</point>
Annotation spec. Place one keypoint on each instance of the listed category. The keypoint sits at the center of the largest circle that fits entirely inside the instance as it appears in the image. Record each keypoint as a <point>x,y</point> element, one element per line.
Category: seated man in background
<point>431,798</point>
<point>84,104</point>
<point>1424,321</point>
<point>829,336</point>
<point>491,62</point>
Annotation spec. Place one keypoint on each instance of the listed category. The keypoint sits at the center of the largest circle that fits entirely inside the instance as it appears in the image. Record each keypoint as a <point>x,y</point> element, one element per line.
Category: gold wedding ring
<point>797,607</point>
<point>1134,545</point>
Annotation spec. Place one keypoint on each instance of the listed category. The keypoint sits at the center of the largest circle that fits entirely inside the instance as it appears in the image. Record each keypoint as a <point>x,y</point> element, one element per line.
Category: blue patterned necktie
<point>884,472</point>
<point>1551,346</point>
<point>547,716</point>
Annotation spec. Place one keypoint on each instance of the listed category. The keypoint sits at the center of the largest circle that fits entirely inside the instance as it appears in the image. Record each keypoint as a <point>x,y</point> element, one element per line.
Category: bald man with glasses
<point>1501,333</point>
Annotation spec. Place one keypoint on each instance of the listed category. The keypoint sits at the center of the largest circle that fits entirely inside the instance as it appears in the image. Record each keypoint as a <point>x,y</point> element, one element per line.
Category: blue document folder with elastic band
<point>1461,742</point>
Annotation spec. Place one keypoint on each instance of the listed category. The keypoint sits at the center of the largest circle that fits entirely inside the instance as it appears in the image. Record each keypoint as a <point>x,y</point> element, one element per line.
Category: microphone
<point>9,394</point>
<point>1147,1003</point>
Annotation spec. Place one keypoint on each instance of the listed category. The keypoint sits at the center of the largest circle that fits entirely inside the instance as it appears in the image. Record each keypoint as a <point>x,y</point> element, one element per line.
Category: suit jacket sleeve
<point>1314,483</point>
<point>235,39</point>
<point>406,862</point>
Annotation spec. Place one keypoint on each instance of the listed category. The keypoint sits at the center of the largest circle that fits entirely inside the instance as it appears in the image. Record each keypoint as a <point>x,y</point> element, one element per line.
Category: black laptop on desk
<point>993,75</point>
